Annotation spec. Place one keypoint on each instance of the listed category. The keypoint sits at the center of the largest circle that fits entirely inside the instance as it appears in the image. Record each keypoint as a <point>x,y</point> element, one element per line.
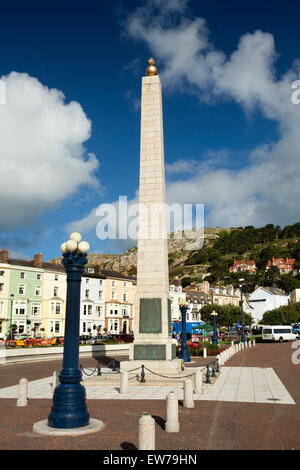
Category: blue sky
<point>95,54</point>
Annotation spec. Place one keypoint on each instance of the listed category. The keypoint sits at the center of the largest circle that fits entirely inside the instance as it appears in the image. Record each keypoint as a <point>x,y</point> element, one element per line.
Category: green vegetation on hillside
<point>258,244</point>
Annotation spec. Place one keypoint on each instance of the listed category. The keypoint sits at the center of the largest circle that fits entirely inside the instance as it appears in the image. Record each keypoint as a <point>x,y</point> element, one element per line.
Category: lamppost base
<point>185,356</point>
<point>42,427</point>
<point>69,408</point>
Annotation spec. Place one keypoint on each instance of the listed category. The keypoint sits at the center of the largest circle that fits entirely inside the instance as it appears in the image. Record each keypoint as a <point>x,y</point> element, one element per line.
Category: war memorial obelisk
<point>153,345</point>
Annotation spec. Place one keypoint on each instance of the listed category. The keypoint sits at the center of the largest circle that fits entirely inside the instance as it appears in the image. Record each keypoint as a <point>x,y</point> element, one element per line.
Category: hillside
<point>178,254</point>
<point>220,247</point>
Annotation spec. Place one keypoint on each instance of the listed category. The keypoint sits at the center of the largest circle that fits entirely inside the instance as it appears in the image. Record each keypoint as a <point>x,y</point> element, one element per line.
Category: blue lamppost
<point>69,408</point>
<point>184,351</point>
<point>242,329</point>
<point>215,336</point>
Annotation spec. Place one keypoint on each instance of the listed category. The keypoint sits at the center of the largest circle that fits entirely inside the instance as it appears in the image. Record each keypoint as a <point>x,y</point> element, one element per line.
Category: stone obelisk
<point>153,345</point>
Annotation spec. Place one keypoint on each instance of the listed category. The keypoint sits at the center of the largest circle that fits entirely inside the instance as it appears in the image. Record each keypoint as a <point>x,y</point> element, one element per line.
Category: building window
<point>125,284</point>
<point>55,292</point>
<point>113,294</point>
<point>1,287</point>
<point>125,311</point>
<point>39,277</point>
<point>36,310</point>
<point>2,273</point>
<point>56,277</point>
<point>22,275</point>
<point>87,293</point>
<point>114,310</point>
<point>87,280</point>
<point>55,327</point>
<point>21,327</point>
<point>100,293</point>
<point>20,308</point>
<point>113,283</point>
<point>87,309</point>
<point>125,296</point>
<point>100,282</point>
<point>38,291</point>
<point>55,308</point>
<point>116,326</point>
<point>21,289</point>
<point>99,311</point>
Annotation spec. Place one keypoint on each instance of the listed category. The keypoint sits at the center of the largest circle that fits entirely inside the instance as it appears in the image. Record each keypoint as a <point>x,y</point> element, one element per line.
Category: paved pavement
<point>212,424</point>
<point>236,384</point>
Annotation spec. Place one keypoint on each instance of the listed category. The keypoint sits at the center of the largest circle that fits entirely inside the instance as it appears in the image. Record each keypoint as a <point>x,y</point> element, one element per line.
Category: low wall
<point>10,356</point>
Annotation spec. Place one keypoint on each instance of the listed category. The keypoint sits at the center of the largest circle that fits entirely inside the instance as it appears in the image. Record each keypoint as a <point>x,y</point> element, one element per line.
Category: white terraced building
<point>264,299</point>
<point>92,307</point>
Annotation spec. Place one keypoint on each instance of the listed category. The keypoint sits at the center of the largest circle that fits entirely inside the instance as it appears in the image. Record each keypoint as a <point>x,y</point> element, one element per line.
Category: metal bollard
<point>188,401</point>
<point>146,432</point>
<point>217,364</point>
<point>172,423</point>
<point>198,382</point>
<point>22,392</point>
<point>213,371</point>
<point>114,366</point>
<point>99,369</point>
<point>124,382</point>
<point>143,374</point>
<point>207,375</point>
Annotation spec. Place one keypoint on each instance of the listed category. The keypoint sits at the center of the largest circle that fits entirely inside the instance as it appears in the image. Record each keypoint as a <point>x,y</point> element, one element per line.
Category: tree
<point>227,315</point>
<point>286,315</point>
<point>185,281</point>
<point>272,277</point>
<point>288,283</point>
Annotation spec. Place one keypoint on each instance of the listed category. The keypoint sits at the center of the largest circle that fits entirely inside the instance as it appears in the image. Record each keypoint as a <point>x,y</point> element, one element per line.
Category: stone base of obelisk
<point>166,368</point>
<point>157,357</point>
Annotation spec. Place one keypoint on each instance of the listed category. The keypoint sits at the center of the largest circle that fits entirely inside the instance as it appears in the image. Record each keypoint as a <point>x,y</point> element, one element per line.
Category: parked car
<point>278,333</point>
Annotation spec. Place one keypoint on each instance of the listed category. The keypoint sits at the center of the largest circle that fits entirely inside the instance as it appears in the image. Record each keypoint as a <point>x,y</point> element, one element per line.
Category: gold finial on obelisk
<point>151,69</point>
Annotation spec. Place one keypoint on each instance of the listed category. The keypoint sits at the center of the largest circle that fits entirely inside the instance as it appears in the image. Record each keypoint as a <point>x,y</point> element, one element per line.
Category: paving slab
<point>241,384</point>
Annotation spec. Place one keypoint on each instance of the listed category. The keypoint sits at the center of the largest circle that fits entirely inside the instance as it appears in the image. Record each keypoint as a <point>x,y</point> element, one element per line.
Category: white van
<point>278,333</point>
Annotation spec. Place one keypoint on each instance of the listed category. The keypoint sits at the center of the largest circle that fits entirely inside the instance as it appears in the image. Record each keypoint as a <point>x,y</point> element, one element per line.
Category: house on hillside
<point>243,265</point>
<point>284,267</point>
<point>266,298</point>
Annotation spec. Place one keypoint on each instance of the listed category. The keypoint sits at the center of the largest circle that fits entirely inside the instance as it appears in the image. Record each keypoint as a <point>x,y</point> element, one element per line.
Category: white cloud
<point>266,190</point>
<point>43,159</point>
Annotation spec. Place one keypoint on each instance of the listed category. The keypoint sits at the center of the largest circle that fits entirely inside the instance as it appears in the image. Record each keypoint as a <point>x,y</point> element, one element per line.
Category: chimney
<point>97,267</point>
<point>38,260</point>
<point>4,256</point>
